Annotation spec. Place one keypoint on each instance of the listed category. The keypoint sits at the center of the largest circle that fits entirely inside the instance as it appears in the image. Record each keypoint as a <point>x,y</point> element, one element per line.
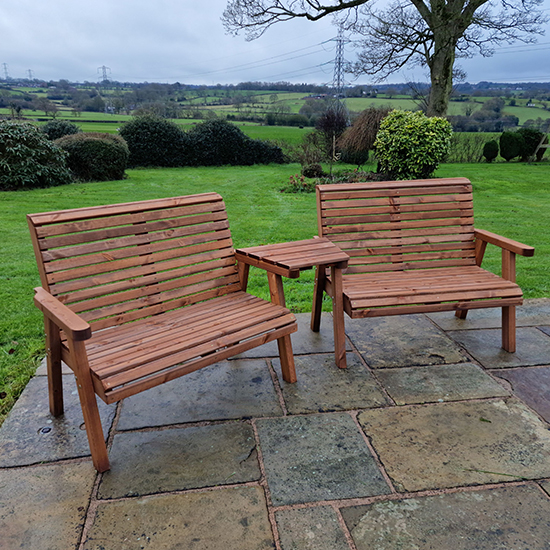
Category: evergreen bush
<point>511,145</point>
<point>155,141</point>
<point>29,159</point>
<point>56,129</point>
<point>490,150</point>
<point>411,145</point>
<point>219,143</point>
<point>531,139</point>
<point>94,156</point>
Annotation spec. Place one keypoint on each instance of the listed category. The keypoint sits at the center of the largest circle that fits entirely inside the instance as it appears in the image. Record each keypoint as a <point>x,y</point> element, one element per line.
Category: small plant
<point>95,157</point>
<point>411,145</point>
<point>29,159</point>
<point>299,184</point>
<point>56,129</point>
<point>313,171</point>
<point>490,150</point>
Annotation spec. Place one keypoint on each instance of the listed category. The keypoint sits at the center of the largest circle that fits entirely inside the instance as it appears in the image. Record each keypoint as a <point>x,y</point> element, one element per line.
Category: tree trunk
<point>441,73</point>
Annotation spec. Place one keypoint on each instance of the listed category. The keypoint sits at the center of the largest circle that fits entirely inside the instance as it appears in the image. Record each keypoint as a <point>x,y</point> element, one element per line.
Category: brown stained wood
<point>53,362</point>
<point>164,340</point>
<point>200,362</point>
<point>124,208</point>
<point>109,221</point>
<point>396,216</point>
<point>116,249</point>
<point>338,316</point>
<point>317,308</point>
<point>504,243</point>
<point>86,394</point>
<point>155,290</point>
<point>218,342</point>
<point>413,249</point>
<point>201,244</point>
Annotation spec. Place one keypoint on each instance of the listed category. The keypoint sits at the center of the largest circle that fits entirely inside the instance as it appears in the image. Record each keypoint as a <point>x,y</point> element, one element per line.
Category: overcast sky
<point>184,41</point>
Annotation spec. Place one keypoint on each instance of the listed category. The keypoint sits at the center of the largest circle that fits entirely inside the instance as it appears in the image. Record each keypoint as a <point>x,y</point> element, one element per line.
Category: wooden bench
<point>137,294</point>
<point>413,249</point>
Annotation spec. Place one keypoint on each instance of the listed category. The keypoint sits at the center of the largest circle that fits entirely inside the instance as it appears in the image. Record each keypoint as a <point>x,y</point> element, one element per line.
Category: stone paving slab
<point>44,507</point>
<point>439,383</point>
<point>545,329</point>
<point>304,340</point>
<point>317,457</point>
<point>323,387</point>
<point>310,529</point>
<point>531,313</point>
<point>180,458</point>
<point>546,486</point>
<point>531,385</point>
<point>458,444</point>
<point>532,347</point>
<point>224,391</point>
<point>401,341</point>
<point>32,435</point>
<point>515,518</point>
<point>231,518</point>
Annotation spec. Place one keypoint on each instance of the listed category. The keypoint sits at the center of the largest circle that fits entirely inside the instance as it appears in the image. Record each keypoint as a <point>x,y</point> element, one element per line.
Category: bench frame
<point>400,235</point>
<point>137,294</point>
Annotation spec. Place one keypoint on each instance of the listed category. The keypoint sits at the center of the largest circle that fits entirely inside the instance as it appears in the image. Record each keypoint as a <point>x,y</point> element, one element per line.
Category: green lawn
<point>512,199</point>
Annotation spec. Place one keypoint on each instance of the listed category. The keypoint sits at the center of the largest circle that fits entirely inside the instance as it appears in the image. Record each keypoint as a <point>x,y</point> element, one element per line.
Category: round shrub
<point>490,150</point>
<point>411,145</point>
<point>313,171</point>
<point>29,159</point>
<point>95,157</point>
<point>55,129</point>
<point>218,143</point>
<point>511,145</point>
<point>154,141</point>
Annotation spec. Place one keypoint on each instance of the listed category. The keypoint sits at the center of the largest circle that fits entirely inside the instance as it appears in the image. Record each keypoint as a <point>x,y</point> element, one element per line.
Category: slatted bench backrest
<point>115,264</point>
<point>403,225</point>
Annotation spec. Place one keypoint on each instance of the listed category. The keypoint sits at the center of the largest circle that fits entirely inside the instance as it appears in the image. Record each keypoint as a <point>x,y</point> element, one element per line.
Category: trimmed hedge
<point>94,156</point>
<point>155,141</point>
<point>29,159</point>
<point>56,129</point>
<point>218,142</point>
<point>490,150</point>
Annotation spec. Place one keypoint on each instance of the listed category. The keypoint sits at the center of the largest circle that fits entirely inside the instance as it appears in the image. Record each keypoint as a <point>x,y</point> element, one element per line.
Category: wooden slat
<point>93,224</point>
<point>44,218</point>
<point>117,232</point>
<point>65,258</point>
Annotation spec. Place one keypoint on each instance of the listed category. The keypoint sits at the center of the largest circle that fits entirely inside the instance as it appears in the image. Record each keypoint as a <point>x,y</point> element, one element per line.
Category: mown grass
<point>512,199</point>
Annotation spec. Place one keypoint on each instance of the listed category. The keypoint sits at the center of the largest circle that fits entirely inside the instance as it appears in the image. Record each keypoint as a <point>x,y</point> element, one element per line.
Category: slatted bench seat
<point>137,294</point>
<point>413,249</point>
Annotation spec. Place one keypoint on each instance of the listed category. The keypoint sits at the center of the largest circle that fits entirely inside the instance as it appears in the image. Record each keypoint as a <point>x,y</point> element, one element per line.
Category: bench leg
<point>287,359</point>
<point>317,306</point>
<point>509,328</point>
<point>461,313</point>
<point>53,361</point>
<point>338,318</point>
<point>90,411</point>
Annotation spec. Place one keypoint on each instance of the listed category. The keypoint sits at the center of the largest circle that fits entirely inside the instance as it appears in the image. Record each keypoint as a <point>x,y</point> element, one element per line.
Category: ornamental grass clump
<point>411,145</point>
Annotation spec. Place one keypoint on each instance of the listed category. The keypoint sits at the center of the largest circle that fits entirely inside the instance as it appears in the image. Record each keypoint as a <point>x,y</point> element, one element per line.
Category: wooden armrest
<point>74,327</point>
<point>503,242</point>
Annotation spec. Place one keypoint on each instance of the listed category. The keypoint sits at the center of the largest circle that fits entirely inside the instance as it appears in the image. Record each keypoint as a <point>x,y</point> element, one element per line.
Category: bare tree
<point>432,33</point>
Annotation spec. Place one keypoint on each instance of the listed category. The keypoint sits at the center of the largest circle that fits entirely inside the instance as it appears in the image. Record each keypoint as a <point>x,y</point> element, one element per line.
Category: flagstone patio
<point>433,438</point>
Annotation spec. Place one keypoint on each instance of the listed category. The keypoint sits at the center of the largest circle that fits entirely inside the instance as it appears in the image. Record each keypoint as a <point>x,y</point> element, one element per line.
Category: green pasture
<point>510,198</point>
